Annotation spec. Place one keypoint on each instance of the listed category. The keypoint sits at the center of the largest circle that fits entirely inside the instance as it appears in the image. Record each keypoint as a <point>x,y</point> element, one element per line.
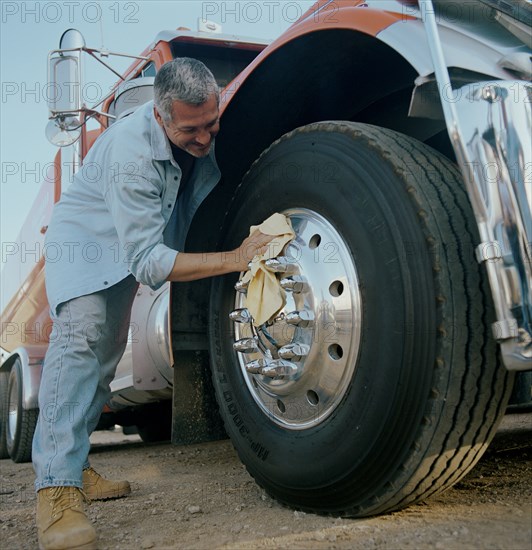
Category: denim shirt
<point>110,221</point>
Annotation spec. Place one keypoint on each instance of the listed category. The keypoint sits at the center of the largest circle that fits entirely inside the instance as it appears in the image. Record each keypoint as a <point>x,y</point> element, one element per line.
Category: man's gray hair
<point>183,79</point>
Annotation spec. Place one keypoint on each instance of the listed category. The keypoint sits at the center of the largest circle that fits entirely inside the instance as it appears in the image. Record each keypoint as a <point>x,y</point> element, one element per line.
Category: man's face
<point>193,127</point>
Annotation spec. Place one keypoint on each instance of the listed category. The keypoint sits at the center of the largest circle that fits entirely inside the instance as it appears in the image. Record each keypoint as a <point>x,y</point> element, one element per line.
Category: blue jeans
<point>88,339</point>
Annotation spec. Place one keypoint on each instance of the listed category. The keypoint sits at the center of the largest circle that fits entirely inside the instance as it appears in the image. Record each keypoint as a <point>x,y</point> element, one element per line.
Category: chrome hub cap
<point>298,365</point>
<point>12,419</point>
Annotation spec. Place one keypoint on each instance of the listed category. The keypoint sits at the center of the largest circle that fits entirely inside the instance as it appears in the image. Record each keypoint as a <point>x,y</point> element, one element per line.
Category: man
<point>121,222</point>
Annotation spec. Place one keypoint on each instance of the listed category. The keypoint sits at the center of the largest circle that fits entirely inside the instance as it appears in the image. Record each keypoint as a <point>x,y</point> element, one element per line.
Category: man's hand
<point>191,267</point>
<point>255,244</point>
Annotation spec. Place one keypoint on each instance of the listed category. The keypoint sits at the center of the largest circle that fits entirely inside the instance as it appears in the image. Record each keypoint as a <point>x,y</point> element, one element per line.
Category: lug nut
<point>294,351</point>
<point>256,366</point>
<point>242,286</point>
<point>295,284</point>
<point>246,345</point>
<point>301,319</point>
<point>240,316</point>
<point>282,264</point>
<point>279,367</point>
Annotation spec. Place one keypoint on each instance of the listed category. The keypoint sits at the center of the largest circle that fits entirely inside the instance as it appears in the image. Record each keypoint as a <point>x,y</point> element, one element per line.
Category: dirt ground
<point>201,497</point>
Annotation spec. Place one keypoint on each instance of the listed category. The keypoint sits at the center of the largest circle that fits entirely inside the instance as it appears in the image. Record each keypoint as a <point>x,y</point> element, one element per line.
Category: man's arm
<point>191,267</point>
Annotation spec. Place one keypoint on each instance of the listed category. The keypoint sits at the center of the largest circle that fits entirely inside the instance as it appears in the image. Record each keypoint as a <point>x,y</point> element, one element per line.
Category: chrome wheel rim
<point>12,419</point>
<point>315,354</point>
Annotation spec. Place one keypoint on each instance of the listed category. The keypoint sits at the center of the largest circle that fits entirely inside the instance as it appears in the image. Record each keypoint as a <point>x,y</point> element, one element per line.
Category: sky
<point>30,29</point>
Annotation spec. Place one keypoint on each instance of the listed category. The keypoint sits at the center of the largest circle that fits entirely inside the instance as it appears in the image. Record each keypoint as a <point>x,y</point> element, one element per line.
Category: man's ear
<point>158,116</point>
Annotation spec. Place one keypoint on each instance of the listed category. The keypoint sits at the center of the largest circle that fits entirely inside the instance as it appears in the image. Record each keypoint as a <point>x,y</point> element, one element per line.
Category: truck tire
<point>400,390</point>
<point>20,423</point>
<point>4,381</point>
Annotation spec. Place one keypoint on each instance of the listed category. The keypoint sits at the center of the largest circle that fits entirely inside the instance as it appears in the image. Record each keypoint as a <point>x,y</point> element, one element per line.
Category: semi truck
<point>396,137</point>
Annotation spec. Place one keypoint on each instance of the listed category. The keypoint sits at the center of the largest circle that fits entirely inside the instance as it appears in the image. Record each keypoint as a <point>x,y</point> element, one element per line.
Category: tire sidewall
<point>4,405</point>
<point>13,439</point>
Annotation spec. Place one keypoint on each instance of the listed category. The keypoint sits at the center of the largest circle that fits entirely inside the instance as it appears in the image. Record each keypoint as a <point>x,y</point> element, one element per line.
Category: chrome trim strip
<point>489,124</point>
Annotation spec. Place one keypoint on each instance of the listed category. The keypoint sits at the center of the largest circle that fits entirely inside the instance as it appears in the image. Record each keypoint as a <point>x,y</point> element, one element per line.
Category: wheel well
<point>337,74</point>
<point>8,363</point>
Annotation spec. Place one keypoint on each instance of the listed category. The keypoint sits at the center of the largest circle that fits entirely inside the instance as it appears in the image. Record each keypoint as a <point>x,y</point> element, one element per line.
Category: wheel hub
<point>299,364</point>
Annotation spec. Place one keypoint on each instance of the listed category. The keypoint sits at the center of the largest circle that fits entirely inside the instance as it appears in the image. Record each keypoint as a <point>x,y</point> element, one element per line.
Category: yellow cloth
<point>265,297</point>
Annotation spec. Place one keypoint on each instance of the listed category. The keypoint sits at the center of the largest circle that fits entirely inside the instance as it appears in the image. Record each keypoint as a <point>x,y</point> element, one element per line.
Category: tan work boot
<point>98,488</point>
<point>61,521</point>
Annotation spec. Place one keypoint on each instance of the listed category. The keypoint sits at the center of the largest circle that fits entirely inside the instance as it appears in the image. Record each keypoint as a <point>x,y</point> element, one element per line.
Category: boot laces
<point>92,472</point>
<point>66,498</point>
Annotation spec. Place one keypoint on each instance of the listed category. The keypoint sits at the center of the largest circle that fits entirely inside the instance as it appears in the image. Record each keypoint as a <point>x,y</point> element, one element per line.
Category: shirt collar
<point>160,146</point>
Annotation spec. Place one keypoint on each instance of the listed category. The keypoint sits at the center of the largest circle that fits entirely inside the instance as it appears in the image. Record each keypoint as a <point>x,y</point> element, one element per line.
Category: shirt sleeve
<point>135,205</point>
